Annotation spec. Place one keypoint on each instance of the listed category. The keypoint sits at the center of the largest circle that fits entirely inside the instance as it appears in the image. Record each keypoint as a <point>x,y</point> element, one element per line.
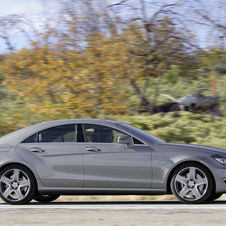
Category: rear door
<point>56,156</point>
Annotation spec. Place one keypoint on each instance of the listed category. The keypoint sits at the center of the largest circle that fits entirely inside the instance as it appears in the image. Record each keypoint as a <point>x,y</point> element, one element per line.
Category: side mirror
<point>126,140</point>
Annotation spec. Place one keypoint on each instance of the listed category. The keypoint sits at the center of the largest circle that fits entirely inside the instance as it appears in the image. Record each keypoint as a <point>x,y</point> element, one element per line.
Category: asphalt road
<point>114,213</point>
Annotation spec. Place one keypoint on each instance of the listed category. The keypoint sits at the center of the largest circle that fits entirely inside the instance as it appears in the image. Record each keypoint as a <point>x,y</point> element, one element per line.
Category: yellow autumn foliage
<point>69,81</point>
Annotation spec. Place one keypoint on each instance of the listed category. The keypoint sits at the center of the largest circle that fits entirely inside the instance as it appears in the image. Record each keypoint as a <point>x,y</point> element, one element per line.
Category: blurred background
<point>113,59</point>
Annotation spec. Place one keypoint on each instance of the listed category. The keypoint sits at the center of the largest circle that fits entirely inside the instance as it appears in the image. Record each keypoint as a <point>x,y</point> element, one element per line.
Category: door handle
<point>94,149</point>
<point>37,150</point>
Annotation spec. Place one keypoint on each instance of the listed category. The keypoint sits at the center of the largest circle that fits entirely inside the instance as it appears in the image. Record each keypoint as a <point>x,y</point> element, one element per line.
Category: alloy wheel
<point>16,185</point>
<point>192,184</point>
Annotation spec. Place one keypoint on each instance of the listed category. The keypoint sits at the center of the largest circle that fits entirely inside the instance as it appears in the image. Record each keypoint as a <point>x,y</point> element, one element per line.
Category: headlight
<point>220,159</point>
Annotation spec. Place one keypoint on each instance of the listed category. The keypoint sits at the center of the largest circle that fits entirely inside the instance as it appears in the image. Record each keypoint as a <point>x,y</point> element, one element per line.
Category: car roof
<point>20,134</point>
<point>79,120</point>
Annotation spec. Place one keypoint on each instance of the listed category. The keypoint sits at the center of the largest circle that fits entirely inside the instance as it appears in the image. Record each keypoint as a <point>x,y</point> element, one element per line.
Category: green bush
<point>183,127</point>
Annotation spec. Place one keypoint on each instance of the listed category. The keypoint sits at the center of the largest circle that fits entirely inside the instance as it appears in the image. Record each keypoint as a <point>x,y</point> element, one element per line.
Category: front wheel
<point>192,183</point>
<point>214,196</point>
<point>17,185</point>
<point>45,198</point>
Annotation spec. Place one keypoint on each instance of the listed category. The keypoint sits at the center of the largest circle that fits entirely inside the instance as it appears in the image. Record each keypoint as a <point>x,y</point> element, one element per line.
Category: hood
<point>194,147</point>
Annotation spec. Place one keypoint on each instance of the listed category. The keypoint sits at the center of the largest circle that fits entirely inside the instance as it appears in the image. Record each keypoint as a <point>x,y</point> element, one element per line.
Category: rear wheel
<point>45,198</point>
<point>192,183</point>
<point>17,185</point>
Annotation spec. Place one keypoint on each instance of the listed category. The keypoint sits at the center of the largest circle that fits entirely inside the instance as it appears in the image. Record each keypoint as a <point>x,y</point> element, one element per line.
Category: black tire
<point>17,185</point>
<point>214,197</point>
<point>45,198</point>
<point>192,183</point>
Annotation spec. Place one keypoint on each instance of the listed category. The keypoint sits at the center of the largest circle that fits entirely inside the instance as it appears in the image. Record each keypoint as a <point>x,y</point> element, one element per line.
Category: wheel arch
<point>170,175</point>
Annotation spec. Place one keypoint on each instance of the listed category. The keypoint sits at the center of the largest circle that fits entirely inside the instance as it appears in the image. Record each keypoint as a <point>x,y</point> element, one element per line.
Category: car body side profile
<point>103,157</point>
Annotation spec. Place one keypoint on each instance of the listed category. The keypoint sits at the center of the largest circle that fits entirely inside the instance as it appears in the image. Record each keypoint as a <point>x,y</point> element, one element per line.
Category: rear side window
<point>31,139</point>
<point>64,133</point>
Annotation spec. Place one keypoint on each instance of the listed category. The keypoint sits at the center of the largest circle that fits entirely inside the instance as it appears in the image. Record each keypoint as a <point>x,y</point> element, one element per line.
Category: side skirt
<point>101,191</point>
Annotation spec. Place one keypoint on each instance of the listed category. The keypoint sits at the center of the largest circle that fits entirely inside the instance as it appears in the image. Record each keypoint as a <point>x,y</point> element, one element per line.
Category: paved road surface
<point>114,213</point>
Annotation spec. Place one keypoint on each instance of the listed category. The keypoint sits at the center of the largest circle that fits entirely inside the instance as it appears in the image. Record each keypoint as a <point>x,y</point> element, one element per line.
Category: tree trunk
<point>143,101</point>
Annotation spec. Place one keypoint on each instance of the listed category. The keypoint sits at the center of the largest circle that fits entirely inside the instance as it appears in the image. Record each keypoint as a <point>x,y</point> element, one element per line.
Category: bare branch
<point>117,4</point>
<point>217,25</point>
<point>161,10</point>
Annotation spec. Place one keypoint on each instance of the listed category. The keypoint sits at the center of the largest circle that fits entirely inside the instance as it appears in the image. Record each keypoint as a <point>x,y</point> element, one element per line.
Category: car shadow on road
<point>125,203</point>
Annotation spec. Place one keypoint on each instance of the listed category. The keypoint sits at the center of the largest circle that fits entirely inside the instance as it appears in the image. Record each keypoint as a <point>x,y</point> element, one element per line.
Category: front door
<point>108,164</point>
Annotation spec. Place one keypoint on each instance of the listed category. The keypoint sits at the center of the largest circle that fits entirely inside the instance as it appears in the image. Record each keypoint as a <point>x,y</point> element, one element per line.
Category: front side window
<point>101,134</point>
<point>64,133</point>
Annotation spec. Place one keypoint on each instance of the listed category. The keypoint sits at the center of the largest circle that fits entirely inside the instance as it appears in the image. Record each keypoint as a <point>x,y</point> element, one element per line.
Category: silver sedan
<point>101,157</point>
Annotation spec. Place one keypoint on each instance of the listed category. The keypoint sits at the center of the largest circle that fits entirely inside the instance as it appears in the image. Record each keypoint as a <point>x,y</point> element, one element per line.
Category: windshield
<point>142,133</point>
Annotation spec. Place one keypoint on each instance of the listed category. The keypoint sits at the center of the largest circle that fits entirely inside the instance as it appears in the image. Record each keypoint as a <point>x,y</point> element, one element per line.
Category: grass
<point>116,198</point>
<point>122,198</point>
<point>81,198</point>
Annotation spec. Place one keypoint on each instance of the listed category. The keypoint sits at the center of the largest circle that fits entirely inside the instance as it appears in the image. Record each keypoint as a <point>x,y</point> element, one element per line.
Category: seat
<point>95,137</point>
